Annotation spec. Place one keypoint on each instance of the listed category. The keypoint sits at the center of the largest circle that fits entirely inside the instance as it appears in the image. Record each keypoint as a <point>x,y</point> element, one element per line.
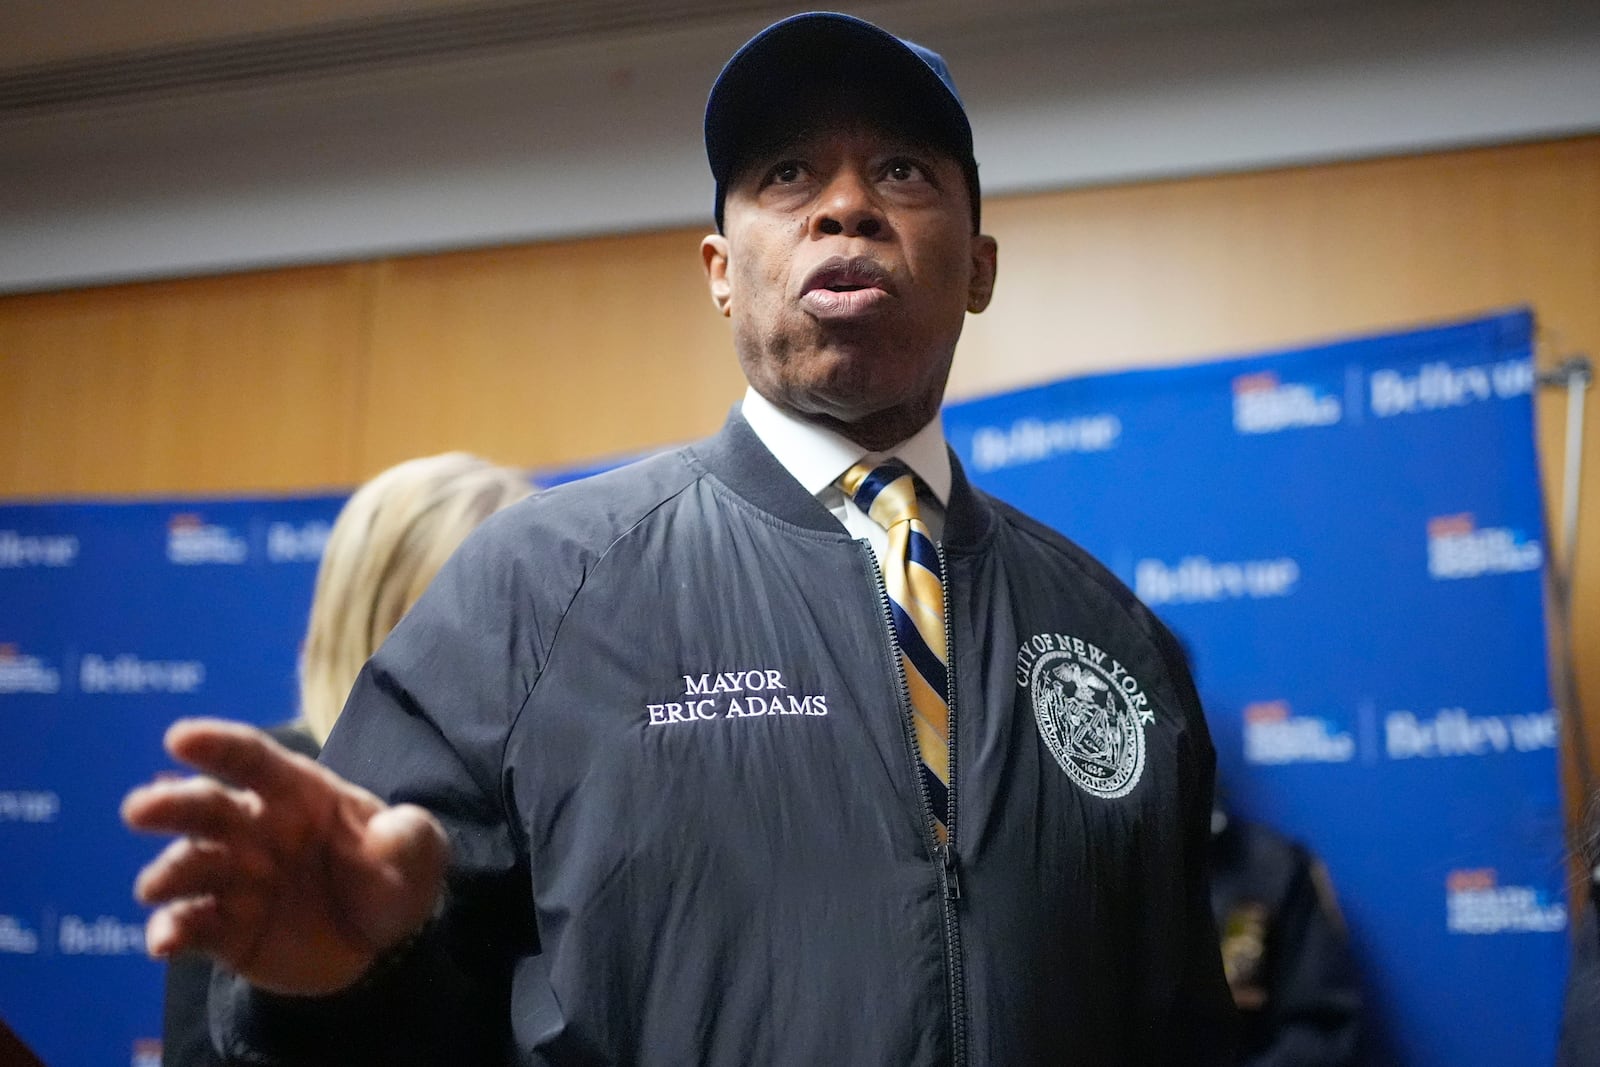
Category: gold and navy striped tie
<point>911,575</point>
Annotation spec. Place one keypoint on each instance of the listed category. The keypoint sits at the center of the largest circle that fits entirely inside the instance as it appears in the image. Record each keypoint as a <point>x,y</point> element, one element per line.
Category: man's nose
<point>847,207</point>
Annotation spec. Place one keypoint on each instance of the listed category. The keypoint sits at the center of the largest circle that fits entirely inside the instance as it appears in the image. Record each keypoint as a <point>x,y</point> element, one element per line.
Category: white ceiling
<point>60,53</point>
<point>56,30</point>
<point>149,138</point>
<point>44,31</point>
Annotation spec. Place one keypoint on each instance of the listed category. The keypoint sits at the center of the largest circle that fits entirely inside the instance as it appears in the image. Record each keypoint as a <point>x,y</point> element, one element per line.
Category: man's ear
<point>985,261</point>
<point>714,257</point>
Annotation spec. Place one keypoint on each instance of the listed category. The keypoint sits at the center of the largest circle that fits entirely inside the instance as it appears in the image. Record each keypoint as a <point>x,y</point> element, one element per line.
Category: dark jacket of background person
<point>13,1053</point>
<point>746,875</point>
<point>1580,1017</point>
<point>1283,949</point>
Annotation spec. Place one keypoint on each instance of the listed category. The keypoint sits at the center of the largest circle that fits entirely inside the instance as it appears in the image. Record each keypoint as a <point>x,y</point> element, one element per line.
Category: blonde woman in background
<point>386,546</point>
<point>388,542</point>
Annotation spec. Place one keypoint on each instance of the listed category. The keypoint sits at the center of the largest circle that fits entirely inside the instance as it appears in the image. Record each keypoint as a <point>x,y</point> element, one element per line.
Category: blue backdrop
<point>116,619</point>
<point>1348,537</point>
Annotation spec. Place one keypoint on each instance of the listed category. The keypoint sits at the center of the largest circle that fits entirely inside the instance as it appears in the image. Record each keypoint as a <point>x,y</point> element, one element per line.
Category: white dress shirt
<point>817,456</point>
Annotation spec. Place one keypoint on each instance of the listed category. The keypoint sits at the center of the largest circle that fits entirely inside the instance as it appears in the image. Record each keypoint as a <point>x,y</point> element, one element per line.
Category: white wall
<point>603,138</point>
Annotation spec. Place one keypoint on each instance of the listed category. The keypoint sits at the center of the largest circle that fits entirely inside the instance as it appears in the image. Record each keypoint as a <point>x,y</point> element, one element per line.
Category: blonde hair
<point>388,542</point>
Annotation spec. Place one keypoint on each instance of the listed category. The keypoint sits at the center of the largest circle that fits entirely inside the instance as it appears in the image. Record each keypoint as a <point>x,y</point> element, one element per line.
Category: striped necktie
<point>912,578</point>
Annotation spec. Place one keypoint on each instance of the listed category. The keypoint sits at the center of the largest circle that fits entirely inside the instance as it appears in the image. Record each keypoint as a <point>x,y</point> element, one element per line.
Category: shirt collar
<point>817,456</point>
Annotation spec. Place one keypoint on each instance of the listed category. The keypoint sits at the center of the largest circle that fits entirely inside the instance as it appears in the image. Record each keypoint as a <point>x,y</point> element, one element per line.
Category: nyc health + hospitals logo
<point>1476,903</point>
<point>1264,404</point>
<point>192,541</point>
<point>19,550</point>
<point>1274,735</point>
<point>17,938</point>
<point>20,673</point>
<point>1459,548</point>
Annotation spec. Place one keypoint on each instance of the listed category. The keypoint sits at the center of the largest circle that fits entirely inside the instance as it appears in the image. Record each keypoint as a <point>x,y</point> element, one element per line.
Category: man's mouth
<point>846,274</point>
<point>844,288</point>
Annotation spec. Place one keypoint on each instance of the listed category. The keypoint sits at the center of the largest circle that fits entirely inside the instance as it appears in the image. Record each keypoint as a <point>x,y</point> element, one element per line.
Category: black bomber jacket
<point>660,714</point>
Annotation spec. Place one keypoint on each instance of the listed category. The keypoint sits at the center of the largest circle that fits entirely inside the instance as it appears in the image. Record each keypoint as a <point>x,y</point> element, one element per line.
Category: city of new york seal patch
<point>1091,712</point>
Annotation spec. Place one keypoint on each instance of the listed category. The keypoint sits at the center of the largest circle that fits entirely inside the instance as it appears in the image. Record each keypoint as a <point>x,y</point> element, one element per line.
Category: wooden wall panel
<point>1177,271</point>
<point>547,354</point>
<point>212,385</point>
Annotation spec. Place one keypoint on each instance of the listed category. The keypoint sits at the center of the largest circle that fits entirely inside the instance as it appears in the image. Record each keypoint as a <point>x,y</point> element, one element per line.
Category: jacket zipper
<point>949,867</point>
<point>943,854</point>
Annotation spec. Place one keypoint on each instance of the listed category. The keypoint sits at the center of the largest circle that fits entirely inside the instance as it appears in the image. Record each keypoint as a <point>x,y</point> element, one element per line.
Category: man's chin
<point>873,425</point>
<point>836,404</point>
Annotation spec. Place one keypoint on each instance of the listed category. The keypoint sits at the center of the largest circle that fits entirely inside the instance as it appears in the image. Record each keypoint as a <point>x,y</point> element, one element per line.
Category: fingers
<point>239,754</point>
<point>282,868</point>
<point>198,807</point>
<point>190,875</point>
<point>188,923</point>
<point>191,868</point>
<point>245,756</point>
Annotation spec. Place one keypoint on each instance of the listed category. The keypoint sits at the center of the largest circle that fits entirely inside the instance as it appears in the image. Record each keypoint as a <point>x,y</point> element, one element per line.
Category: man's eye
<point>786,172</point>
<point>903,170</point>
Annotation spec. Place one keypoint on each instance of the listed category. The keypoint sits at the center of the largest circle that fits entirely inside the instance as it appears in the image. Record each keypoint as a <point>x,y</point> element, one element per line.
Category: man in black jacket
<point>786,747</point>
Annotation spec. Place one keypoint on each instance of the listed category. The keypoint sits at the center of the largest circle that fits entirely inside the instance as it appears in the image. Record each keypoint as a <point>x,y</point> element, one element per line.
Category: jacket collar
<point>817,455</point>
<point>741,462</point>
<point>970,519</point>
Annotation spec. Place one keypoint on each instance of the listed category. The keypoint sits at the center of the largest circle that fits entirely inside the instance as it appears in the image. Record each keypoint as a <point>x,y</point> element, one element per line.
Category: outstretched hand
<point>289,875</point>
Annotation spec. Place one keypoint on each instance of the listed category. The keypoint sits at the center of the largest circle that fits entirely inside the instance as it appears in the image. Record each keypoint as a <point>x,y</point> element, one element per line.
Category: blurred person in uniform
<point>1284,948</point>
<point>1580,1016</point>
<point>389,540</point>
<point>785,747</point>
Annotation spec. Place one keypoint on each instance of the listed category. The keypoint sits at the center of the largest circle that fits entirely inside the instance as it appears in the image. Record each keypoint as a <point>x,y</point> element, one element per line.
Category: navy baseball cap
<point>826,49</point>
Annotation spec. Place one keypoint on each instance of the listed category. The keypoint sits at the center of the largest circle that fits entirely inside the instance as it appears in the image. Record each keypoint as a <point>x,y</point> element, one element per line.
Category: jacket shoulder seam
<point>727,492</point>
<point>577,591</point>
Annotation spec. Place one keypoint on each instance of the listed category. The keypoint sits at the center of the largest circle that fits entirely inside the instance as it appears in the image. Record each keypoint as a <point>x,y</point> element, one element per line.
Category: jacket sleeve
<point>427,723</point>
<point>184,1039</point>
<point>1580,1016</point>
<point>1204,1026</point>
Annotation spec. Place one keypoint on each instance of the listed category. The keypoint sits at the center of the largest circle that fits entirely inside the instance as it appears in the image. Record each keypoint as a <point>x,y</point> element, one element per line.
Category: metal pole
<point>1574,375</point>
<point>1578,374</point>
